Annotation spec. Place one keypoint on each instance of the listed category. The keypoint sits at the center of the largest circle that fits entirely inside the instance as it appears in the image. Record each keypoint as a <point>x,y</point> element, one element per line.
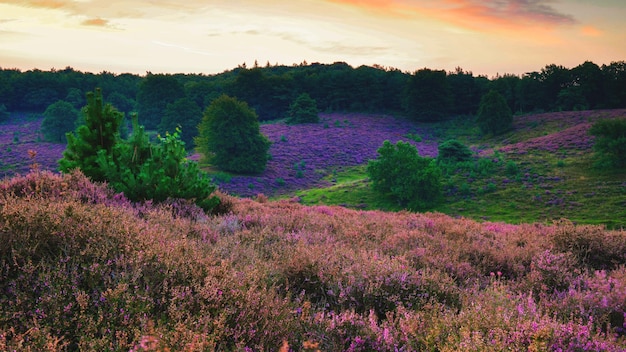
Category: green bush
<point>303,110</point>
<point>399,172</point>
<point>4,113</point>
<point>136,167</point>
<point>454,151</point>
<point>610,142</point>
<point>494,115</point>
<point>230,138</point>
<point>59,119</point>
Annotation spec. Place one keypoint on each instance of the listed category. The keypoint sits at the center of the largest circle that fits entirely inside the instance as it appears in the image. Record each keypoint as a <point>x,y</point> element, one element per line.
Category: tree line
<point>166,101</point>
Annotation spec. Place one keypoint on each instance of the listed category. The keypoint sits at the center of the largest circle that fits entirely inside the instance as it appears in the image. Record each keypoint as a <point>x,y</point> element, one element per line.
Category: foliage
<point>145,171</point>
<point>85,269</point>
<point>155,92</point>
<point>59,119</point>
<point>303,110</point>
<point>494,115</point>
<point>428,96</point>
<point>399,172</point>
<point>610,142</point>
<point>185,115</point>
<point>453,151</point>
<point>229,137</point>
<point>4,113</point>
<point>99,134</point>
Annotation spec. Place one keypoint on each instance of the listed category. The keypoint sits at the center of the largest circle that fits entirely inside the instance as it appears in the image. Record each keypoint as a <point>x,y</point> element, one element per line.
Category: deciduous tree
<point>494,114</point>
<point>230,138</point>
<point>59,119</point>
<point>399,172</point>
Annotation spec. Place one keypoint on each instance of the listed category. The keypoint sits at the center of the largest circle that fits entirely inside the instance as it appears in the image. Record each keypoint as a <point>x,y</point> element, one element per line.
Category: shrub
<point>59,119</point>
<point>399,172</point>
<point>146,171</point>
<point>303,110</point>
<point>230,138</point>
<point>454,151</point>
<point>4,114</point>
<point>494,115</point>
<point>610,143</point>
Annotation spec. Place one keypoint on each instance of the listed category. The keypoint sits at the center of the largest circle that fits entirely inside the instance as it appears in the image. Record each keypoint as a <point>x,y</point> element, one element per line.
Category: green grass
<point>536,187</point>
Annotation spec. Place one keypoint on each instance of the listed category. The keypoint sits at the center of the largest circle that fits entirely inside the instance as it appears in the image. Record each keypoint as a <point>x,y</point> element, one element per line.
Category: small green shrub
<point>454,151</point>
<point>399,172</point>
<point>303,110</point>
<point>610,142</point>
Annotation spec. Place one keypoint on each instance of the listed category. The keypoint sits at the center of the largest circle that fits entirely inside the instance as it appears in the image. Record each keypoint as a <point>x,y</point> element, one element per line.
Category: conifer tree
<point>98,134</point>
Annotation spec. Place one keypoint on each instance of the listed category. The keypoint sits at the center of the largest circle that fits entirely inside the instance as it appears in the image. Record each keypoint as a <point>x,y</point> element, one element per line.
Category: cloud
<point>96,22</point>
<point>473,14</point>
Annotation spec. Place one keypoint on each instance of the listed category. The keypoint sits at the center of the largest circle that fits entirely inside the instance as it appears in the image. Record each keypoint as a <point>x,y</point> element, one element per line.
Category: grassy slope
<point>547,186</point>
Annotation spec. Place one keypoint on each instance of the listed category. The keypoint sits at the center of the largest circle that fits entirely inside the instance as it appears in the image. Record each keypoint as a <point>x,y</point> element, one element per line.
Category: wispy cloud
<point>474,14</point>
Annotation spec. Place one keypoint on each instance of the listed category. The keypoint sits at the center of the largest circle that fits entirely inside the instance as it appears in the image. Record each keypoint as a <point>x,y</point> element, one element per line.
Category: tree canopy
<point>494,115</point>
<point>59,119</point>
<point>401,173</point>
<point>229,137</point>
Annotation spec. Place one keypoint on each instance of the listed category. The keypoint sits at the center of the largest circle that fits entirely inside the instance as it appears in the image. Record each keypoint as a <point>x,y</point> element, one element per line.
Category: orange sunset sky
<point>162,36</point>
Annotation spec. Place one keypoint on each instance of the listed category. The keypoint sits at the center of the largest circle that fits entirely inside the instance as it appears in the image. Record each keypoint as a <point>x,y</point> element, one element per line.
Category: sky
<point>486,37</point>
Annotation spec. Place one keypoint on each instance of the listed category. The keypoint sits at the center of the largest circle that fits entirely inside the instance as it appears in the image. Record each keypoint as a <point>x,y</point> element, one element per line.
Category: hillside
<point>540,171</point>
<point>83,269</point>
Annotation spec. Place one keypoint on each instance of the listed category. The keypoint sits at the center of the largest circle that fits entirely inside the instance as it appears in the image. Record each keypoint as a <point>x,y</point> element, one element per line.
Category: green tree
<point>399,172</point>
<point>494,114</point>
<point>4,113</point>
<point>454,151</point>
<point>229,137</point>
<point>610,142</point>
<point>428,96</point>
<point>303,110</point>
<point>143,170</point>
<point>59,119</point>
<point>155,92</point>
<point>99,133</point>
<point>184,114</point>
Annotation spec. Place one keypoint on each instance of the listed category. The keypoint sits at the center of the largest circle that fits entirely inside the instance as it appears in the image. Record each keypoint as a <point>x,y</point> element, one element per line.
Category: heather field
<point>84,269</point>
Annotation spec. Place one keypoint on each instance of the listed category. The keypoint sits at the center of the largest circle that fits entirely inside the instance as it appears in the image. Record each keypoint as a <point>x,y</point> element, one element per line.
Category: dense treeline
<point>423,95</point>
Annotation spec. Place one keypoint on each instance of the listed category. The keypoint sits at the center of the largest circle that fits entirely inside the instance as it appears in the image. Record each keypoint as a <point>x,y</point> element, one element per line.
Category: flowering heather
<point>83,269</point>
<point>303,154</point>
<point>569,131</point>
<point>20,135</point>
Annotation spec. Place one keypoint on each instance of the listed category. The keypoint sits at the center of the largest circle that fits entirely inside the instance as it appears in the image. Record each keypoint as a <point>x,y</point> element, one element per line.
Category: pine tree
<point>98,134</point>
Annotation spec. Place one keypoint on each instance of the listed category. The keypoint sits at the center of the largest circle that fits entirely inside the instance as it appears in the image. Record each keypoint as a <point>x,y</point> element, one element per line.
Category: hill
<point>84,269</point>
<point>540,171</point>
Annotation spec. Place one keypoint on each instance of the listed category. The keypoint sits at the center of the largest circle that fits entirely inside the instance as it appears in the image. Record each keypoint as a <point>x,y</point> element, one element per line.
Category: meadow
<point>83,268</point>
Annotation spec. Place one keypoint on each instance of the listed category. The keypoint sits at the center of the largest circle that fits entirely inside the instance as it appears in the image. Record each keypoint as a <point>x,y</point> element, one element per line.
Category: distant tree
<point>229,137</point>
<point>76,97</point>
<point>4,113</point>
<point>428,96</point>
<point>454,151</point>
<point>100,132</point>
<point>182,114</point>
<point>303,110</point>
<point>399,172</point>
<point>155,92</point>
<point>59,119</point>
<point>571,98</point>
<point>494,114</point>
<point>588,78</point>
<point>122,102</point>
<point>610,142</point>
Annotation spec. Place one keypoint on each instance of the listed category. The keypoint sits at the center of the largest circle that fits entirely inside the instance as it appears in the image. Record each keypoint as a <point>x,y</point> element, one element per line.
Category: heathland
<point>526,250</point>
